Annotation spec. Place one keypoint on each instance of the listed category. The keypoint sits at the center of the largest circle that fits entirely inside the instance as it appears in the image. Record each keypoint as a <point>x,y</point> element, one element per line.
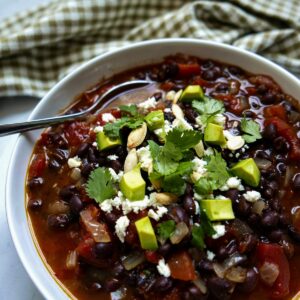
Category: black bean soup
<point>190,194</point>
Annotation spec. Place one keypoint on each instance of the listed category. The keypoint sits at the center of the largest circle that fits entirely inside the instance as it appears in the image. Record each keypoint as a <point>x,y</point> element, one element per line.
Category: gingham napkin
<point>39,47</point>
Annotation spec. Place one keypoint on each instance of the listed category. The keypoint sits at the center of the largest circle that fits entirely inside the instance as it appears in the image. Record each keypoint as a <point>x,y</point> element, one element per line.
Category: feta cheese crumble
<point>112,157</point>
<point>74,162</point>
<point>121,227</point>
<point>116,177</point>
<point>167,110</point>
<point>252,196</point>
<point>232,183</point>
<point>163,268</point>
<point>220,119</point>
<point>220,231</point>
<point>199,165</point>
<point>182,123</point>
<point>161,210</point>
<point>170,95</point>
<point>210,255</point>
<point>108,117</point>
<point>149,103</point>
<point>98,129</point>
<point>145,158</point>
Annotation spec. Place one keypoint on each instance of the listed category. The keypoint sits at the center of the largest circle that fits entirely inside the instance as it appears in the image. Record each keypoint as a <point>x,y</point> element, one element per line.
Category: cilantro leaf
<point>171,151</point>
<point>129,109</point>
<point>100,185</point>
<point>206,224</point>
<point>112,130</point>
<point>183,139</point>
<point>154,148</point>
<point>251,130</point>
<point>205,186</point>
<point>165,229</point>
<point>164,165</point>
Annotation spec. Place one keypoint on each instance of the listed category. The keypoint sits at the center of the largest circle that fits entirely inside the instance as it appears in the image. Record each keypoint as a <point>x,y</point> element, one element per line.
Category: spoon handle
<point>7,129</point>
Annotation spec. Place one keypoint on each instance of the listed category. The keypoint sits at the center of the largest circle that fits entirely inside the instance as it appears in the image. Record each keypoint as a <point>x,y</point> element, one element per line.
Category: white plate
<point>88,74</point>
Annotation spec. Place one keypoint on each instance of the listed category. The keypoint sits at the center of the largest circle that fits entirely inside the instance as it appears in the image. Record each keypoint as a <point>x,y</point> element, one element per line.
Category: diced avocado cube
<point>213,134</point>
<point>217,209</point>
<point>155,119</point>
<point>133,185</point>
<point>146,234</point>
<point>104,142</point>
<point>248,171</point>
<point>192,92</point>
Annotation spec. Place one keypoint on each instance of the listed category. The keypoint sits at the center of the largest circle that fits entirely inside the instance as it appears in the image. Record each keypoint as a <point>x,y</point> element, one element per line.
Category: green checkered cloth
<point>39,47</point>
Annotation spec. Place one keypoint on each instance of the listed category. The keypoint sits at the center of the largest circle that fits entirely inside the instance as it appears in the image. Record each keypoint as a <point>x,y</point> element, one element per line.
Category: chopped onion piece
<point>236,274</point>
<point>133,260</point>
<point>268,273</point>
<point>72,259</point>
<point>240,228</point>
<point>75,174</point>
<point>262,163</point>
<point>219,269</point>
<point>289,173</point>
<point>58,207</point>
<point>180,232</point>
<point>97,230</point>
<point>258,207</point>
<point>200,284</point>
<point>233,260</point>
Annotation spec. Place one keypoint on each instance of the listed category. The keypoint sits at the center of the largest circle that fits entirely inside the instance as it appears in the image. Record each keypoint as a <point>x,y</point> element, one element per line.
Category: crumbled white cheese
<point>182,123</point>
<point>95,144</point>
<point>199,165</point>
<point>74,162</point>
<point>149,103</point>
<point>109,204</point>
<point>163,268</point>
<point>108,117</point>
<point>200,124</point>
<point>112,157</point>
<point>145,158</point>
<point>98,129</point>
<point>167,110</point>
<point>220,231</point>
<point>220,119</point>
<point>121,227</point>
<point>209,151</point>
<point>232,183</point>
<point>234,142</point>
<point>116,177</point>
<point>170,95</point>
<point>210,255</point>
<point>160,132</point>
<point>201,197</point>
<point>252,196</point>
<point>150,188</point>
<point>161,210</point>
<point>136,206</point>
<point>197,208</point>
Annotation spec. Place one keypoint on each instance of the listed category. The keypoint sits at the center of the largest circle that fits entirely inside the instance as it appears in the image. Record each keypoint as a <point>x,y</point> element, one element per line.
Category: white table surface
<point>15,284</point>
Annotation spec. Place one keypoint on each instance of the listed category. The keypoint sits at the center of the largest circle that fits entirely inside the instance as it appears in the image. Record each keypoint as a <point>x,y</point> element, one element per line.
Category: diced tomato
<point>197,80</point>
<point>251,90</point>
<point>37,165</point>
<point>273,253</point>
<point>275,111</point>
<point>181,266</point>
<point>188,70</point>
<point>84,248</point>
<point>286,131</point>
<point>76,132</point>
<point>152,256</point>
<point>167,86</point>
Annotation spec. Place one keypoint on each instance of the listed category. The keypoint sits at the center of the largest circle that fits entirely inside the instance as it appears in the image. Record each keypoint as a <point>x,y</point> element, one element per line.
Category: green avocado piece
<point>192,92</point>
<point>217,209</point>
<point>155,119</point>
<point>132,184</point>
<point>213,134</point>
<point>248,171</point>
<point>104,142</point>
<point>146,234</point>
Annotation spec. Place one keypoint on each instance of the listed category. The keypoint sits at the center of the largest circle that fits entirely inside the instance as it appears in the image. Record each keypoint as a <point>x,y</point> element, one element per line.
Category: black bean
<point>211,74</point>
<point>268,98</point>
<point>262,154</point>
<point>59,221</point>
<point>275,235</point>
<point>284,220</point>
<point>170,70</point>
<point>226,250</point>
<point>112,285</point>
<point>235,70</point>
<point>58,140</point>
<point>280,144</point>
<point>270,132</point>
<point>242,207</point>
<point>222,87</point>
<point>76,204</point>
<point>178,214</point>
<point>87,169</point>
<point>268,193</point>
<point>60,155</point>
<point>296,181</point>
<point>116,165</point>
<point>169,117</point>
<point>249,114</point>
<point>250,283</point>
<point>54,164</point>
<point>189,190</point>
<point>111,218</point>
<point>193,293</point>
<point>83,150</point>
<point>121,152</point>
<point>253,219</point>
<point>281,168</point>
<point>103,250</point>
<point>247,243</point>
<point>189,205</point>
<point>118,270</point>
<point>219,287</point>
<point>162,284</point>
<point>67,192</point>
<point>205,266</point>
<point>92,155</point>
<point>191,115</point>
<point>35,204</point>
<point>164,249</point>
<point>232,194</point>
<point>294,233</point>
<point>35,182</point>
<point>96,286</point>
<point>269,219</point>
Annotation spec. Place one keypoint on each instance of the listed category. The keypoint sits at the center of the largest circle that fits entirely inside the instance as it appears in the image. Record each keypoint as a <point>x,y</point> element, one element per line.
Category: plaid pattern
<point>39,47</point>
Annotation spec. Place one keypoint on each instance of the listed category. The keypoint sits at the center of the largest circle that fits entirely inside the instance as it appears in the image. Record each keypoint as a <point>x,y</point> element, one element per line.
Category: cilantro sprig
<point>251,130</point>
<point>165,229</point>
<point>100,185</point>
<point>131,110</point>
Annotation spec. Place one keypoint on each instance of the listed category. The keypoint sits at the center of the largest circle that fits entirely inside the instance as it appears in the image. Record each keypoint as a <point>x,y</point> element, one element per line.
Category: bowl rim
<point>40,285</point>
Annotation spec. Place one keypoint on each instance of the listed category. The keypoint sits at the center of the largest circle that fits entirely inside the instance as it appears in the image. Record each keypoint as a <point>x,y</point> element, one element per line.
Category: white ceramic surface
<point>87,75</point>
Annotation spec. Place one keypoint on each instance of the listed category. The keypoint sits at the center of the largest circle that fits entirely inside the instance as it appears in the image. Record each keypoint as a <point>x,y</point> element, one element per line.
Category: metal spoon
<point>7,129</point>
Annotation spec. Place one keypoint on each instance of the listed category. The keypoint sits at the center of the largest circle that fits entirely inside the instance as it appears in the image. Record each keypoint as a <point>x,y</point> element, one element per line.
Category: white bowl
<point>64,92</point>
